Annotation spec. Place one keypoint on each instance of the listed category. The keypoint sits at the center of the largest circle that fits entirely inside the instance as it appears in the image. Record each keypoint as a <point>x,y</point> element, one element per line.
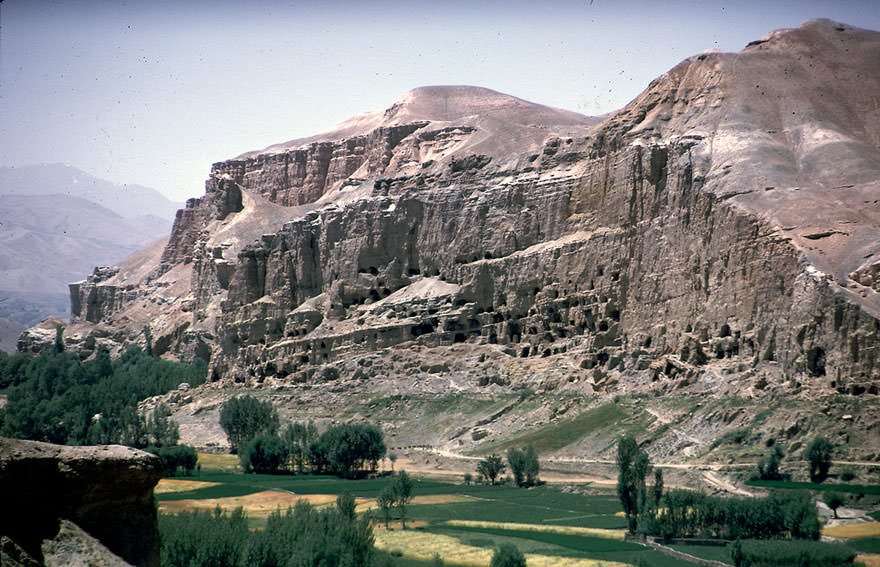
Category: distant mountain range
<point>58,179</point>
<point>56,224</point>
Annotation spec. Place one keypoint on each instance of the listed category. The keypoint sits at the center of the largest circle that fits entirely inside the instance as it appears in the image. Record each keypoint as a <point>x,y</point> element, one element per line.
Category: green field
<point>873,489</point>
<point>539,507</point>
<point>563,432</point>
<point>711,552</point>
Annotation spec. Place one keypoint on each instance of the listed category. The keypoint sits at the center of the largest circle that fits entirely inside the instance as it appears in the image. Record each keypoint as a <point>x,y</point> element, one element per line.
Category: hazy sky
<point>154,92</point>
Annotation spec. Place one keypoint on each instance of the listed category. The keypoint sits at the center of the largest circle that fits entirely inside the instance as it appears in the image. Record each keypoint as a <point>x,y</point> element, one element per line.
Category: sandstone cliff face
<point>106,491</point>
<point>728,214</point>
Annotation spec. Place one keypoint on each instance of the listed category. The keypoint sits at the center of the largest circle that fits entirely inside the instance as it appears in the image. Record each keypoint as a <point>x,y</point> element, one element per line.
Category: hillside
<point>718,239</point>
<point>54,231</point>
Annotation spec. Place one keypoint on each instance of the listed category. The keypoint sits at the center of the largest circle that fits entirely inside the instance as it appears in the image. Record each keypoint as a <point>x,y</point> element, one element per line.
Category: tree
<point>658,487</point>
<point>490,467</point>
<point>818,453</point>
<point>393,458</point>
<point>264,454</point>
<point>177,457</point>
<point>298,437</point>
<point>508,556</point>
<point>632,467</point>
<point>245,417</point>
<point>834,501</point>
<point>59,338</point>
<point>385,501</point>
<point>524,465</point>
<point>162,431</point>
<point>468,478</point>
<point>402,489</point>
<point>346,449</point>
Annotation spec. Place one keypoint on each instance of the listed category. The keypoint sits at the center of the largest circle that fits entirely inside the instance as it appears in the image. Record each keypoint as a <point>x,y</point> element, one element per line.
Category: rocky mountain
<point>721,233</point>
<point>57,224</point>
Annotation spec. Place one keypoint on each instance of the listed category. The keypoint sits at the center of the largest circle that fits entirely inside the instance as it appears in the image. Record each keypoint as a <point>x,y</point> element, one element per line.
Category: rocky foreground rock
<point>77,505</point>
<point>727,217</point>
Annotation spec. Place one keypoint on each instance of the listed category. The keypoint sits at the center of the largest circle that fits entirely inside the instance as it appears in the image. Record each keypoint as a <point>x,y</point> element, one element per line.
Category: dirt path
<point>451,465</point>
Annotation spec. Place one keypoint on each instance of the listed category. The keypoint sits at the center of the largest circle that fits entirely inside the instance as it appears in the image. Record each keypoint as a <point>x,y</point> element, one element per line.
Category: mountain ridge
<point>719,235</point>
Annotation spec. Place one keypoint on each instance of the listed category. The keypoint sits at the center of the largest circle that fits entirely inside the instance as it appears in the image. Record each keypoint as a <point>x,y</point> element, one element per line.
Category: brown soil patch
<point>860,529</point>
<point>172,485</point>
<point>219,462</point>
<point>258,504</point>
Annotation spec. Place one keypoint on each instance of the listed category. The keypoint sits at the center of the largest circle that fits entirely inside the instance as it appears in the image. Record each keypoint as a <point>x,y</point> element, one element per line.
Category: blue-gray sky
<point>154,92</point>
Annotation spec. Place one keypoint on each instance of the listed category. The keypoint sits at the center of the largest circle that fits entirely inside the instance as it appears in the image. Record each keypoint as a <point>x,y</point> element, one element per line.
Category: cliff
<point>65,505</point>
<point>725,222</point>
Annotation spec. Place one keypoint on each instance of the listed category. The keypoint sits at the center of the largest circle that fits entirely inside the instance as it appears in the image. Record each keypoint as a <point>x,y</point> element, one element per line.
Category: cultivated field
<point>574,525</point>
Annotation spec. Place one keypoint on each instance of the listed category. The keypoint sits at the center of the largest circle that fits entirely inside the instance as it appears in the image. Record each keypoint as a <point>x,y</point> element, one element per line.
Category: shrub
<point>768,467</point>
<point>246,417</point>
<point>508,556</point>
<point>847,474</point>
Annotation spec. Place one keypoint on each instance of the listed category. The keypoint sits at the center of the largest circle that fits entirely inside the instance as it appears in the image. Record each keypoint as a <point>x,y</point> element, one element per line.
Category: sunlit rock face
<point>725,222</point>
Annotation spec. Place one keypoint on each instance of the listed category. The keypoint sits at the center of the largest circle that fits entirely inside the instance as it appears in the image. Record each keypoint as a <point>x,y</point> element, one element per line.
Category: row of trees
<point>346,450</point>
<point>524,467</point>
<point>301,536</point>
<point>685,513</point>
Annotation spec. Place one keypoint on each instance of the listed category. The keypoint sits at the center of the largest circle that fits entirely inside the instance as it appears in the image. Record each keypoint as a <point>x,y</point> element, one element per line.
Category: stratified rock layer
<point>729,214</point>
<point>107,491</point>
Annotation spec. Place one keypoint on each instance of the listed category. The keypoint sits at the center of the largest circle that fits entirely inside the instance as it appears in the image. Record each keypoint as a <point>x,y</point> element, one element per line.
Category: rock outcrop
<point>65,504</point>
<point>729,214</point>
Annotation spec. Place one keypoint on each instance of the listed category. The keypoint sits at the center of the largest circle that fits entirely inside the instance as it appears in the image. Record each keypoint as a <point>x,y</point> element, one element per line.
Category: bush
<point>265,454</point>
<point>246,417</point>
<point>818,453</point>
<point>847,474</point>
<point>768,467</point>
<point>508,556</point>
<point>781,553</point>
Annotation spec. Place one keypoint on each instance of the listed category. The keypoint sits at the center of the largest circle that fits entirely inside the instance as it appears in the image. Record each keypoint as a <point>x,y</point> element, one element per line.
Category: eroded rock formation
<point>65,503</point>
<point>728,214</point>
